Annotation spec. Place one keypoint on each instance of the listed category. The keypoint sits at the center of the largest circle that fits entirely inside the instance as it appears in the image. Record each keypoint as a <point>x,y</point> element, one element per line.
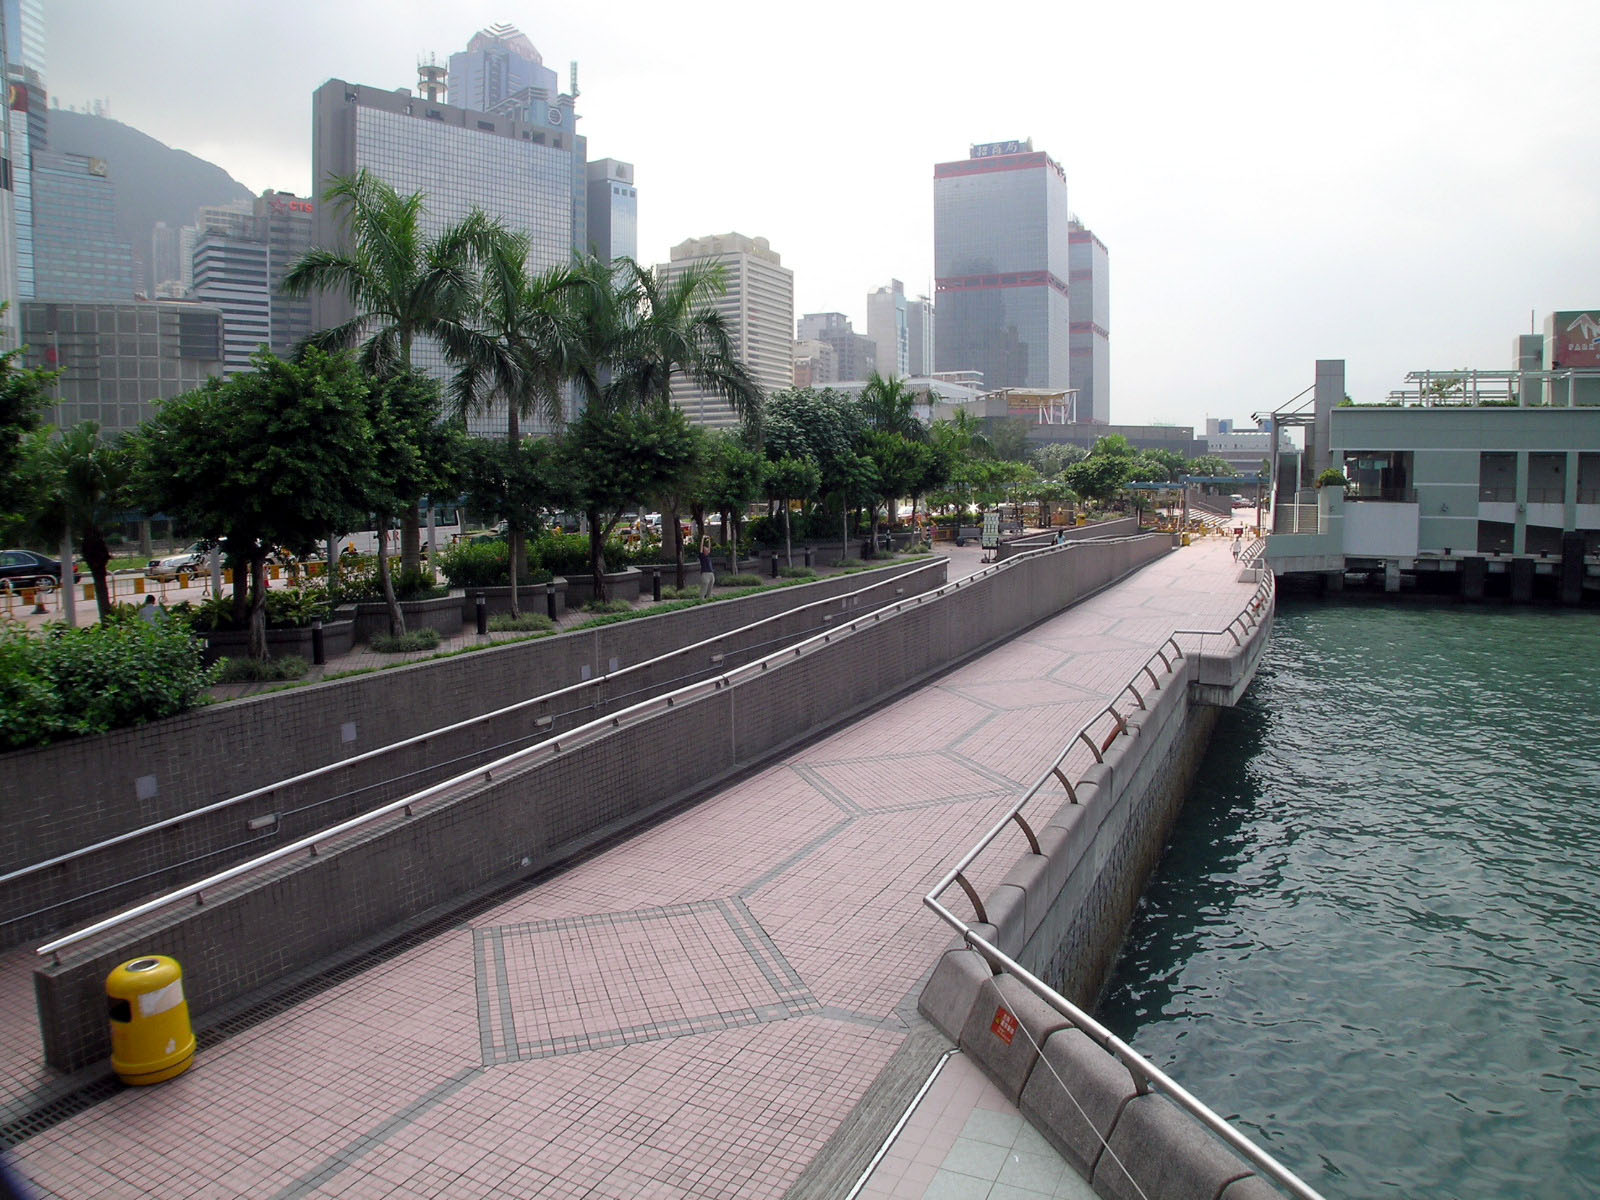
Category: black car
<point>24,568</point>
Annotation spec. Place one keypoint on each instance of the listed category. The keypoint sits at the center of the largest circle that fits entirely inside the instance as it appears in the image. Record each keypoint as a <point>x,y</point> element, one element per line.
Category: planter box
<point>371,617</point>
<point>620,585</point>
<point>530,599</point>
<point>338,636</point>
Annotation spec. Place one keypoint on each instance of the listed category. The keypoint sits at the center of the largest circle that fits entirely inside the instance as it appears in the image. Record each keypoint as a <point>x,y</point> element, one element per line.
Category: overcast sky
<point>1396,184</point>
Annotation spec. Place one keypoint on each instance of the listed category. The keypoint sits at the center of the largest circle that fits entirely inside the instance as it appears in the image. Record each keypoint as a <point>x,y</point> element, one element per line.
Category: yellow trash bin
<point>1186,539</point>
<point>151,1039</point>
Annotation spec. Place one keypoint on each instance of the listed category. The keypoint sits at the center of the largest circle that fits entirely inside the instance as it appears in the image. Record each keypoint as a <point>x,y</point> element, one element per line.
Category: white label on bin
<point>154,1003</point>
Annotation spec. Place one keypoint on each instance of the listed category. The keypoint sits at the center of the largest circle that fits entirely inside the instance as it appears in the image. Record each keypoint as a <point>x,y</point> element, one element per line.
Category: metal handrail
<point>1143,1072</point>
<point>440,731</point>
<point>540,751</point>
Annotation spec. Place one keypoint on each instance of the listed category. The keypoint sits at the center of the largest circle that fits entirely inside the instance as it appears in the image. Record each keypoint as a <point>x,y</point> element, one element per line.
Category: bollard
<point>183,579</point>
<point>655,584</point>
<point>550,600</point>
<point>808,556</point>
<point>151,1038</point>
<point>482,608</point>
<point>318,654</point>
<point>774,564</point>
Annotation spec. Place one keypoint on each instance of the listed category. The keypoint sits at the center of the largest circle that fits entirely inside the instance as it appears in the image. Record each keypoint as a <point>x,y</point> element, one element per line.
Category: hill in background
<point>154,182</point>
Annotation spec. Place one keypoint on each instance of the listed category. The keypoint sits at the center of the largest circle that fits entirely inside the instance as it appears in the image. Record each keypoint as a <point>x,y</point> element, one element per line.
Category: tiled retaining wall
<point>574,671</point>
<point>1061,914</point>
<point>251,933</point>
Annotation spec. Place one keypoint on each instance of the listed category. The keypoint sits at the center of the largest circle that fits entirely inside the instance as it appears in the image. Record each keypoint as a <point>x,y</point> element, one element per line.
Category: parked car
<point>191,561</point>
<point>24,568</point>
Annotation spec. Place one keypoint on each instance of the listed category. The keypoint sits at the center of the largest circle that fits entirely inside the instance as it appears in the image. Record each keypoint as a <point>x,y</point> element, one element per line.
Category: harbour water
<point>1374,940</point>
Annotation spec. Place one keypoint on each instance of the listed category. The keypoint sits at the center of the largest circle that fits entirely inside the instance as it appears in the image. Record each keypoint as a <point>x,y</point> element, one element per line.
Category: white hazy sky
<point>1397,184</point>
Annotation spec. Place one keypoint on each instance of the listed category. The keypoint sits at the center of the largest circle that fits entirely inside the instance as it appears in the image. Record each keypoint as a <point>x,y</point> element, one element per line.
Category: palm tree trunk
<point>677,543</point>
<point>788,540</point>
<point>69,594</point>
<point>514,537</point>
<point>410,540</point>
<point>597,555</point>
<point>97,554</point>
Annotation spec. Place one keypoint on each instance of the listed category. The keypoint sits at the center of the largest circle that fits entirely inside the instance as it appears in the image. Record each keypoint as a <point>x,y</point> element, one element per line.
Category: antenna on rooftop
<point>574,88</point>
<point>430,80</point>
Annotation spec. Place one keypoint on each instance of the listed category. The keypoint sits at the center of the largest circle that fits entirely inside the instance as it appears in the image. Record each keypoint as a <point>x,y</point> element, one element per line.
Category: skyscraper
<point>757,307</point>
<point>1000,226</point>
<point>855,355</point>
<point>283,222</point>
<point>919,337</point>
<point>230,275</point>
<point>887,327</point>
<point>1090,307</point>
<point>613,210</point>
<point>77,254</point>
<point>22,130</point>
<point>498,63</point>
<point>529,174</point>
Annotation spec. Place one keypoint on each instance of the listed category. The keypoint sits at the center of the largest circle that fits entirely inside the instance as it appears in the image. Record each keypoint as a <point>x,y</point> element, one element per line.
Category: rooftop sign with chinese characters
<point>992,149</point>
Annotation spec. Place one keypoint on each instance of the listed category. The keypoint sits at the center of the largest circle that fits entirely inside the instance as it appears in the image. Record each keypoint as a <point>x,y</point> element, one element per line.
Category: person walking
<point>1238,546</point>
<point>150,613</point>
<point>707,577</point>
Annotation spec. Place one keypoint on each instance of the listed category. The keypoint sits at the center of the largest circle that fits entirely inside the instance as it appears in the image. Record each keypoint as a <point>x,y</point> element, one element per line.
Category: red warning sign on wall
<point>1004,1026</point>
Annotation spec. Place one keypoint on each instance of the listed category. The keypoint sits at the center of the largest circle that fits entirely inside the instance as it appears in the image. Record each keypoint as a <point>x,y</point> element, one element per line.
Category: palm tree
<point>671,329</point>
<point>87,486</point>
<point>521,347</point>
<point>401,283</point>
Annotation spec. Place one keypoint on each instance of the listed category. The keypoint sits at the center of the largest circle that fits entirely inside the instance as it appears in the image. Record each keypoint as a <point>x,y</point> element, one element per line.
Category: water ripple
<point>1373,936</point>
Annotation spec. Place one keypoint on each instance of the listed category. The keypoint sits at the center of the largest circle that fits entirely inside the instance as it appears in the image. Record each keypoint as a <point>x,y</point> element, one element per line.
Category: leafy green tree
<point>786,480</point>
<point>899,466</point>
<point>84,486</point>
<point>1100,476</point>
<point>679,493</point>
<point>1009,438</point>
<point>1051,459</point>
<point>1113,445</point>
<point>733,480</point>
<point>610,461</point>
<point>889,406</point>
<point>402,284</point>
<point>272,457</point>
<point>24,396</point>
<point>1172,464</point>
<point>1211,466</point>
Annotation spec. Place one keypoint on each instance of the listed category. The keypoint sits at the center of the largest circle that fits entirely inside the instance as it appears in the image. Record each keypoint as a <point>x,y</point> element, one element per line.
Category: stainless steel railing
<point>1145,1074</point>
<point>691,651</point>
<point>540,751</point>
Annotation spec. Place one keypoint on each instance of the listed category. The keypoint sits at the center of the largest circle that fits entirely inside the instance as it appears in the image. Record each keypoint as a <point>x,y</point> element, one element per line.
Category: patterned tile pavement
<point>691,1013</point>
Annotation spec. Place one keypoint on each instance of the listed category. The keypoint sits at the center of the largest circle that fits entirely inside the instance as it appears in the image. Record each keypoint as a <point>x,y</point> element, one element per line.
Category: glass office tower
<point>1000,229</point>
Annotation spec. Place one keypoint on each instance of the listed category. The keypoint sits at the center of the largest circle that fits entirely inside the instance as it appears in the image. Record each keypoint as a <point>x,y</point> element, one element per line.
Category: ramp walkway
<point>721,1006</point>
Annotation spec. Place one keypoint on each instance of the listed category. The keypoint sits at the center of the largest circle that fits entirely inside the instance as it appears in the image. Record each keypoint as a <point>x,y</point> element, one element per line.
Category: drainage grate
<point>19,1129</point>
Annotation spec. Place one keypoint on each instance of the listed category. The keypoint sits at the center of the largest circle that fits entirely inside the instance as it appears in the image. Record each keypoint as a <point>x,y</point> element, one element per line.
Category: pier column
<point>1521,580</point>
<point>1333,582</point>
<point>1571,575</point>
<point>1473,572</point>
<point>1391,576</point>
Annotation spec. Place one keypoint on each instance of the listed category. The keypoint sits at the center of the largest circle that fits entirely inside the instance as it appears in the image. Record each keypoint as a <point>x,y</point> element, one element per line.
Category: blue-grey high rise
<point>1000,251</point>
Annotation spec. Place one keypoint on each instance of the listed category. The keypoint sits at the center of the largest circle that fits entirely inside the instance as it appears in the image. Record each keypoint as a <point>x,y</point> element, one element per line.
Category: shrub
<point>401,643</point>
<point>526,623</point>
<point>740,580</point>
<point>1332,477</point>
<point>683,593</point>
<point>116,673</point>
<point>797,573</point>
<point>608,606</point>
<point>255,670</point>
<point>358,582</point>
<point>480,564</point>
<point>287,608</point>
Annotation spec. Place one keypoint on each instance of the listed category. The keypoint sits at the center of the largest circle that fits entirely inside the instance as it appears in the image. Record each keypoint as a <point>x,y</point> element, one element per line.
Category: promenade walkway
<point>721,1006</point>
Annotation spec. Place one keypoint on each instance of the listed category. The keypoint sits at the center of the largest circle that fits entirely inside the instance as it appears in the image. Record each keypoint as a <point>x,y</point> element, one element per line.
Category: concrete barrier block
<point>952,990</point>
<point>1074,1095</point>
<point>1004,1031</point>
<point>1251,1187</point>
<point>1031,875</point>
<point>1063,842</point>
<point>1007,907</point>
<point>1156,1149</point>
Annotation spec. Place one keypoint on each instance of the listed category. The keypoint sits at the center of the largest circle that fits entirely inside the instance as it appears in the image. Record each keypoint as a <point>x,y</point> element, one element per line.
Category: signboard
<point>1575,339</point>
<point>1004,1026</point>
<point>991,149</point>
<point>991,531</point>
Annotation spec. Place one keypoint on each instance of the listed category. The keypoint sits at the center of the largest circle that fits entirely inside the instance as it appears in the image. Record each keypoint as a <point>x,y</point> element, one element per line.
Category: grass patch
<point>256,670</point>
<point>412,639</point>
<point>608,606</point>
<point>739,581</point>
<point>796,573</point>
<point>683,593</point>
<point>525,623</point>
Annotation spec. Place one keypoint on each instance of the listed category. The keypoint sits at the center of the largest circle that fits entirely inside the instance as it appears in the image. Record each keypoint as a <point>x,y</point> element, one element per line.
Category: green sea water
<point>1374,941</point>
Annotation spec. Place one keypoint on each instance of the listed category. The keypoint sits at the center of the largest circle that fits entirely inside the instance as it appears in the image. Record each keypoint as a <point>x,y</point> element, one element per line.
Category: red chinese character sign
<point>1004,1025</point>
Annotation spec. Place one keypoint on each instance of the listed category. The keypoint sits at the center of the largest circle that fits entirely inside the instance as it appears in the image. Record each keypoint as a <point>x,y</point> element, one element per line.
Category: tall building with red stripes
<point>1000,261</point>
